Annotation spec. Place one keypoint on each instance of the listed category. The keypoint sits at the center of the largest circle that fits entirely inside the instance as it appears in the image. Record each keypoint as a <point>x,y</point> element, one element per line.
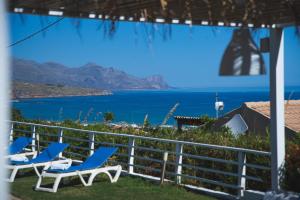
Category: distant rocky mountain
<point>88,76</point>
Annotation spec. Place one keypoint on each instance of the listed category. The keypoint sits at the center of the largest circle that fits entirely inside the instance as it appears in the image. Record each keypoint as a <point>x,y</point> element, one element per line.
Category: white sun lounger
<point>92,166</point>
<point>45,158</point>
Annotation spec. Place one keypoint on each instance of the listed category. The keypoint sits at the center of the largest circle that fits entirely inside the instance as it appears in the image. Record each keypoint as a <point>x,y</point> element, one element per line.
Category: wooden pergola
<point>272,14</point>
<point>253,13</point>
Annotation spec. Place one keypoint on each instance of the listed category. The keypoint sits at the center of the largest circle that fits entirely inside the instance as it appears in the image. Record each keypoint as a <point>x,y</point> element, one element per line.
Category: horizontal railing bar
<point>210,159</point>
<point>77,147</point>
<point>210,170</point>
<point>253,178</point>
<point>75,154</point>
<point>44,141</point>
<point>112,144</point>
<point>118,162</point>
<point>211,146</point>
<point>121,154</point>
<point>25,133</point>
<point>75,139</point>
<point>148,149</point>
<point>22,130</point>
<point>47,134</point>
<point>207,181</point>
<point>147,158</point>
<point>147,168</point>
<point>257,166</point>
<point>222,172</point>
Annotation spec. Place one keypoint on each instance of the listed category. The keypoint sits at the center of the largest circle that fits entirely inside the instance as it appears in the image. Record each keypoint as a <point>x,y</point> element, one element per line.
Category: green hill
<point>30,90</point>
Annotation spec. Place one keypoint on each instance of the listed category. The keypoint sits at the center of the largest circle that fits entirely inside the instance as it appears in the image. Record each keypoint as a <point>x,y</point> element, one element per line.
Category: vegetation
<point>201,135</point>
<point>108,116</point>
<point>30,90</point>
<point>16,115</point>
<point>292,165</point>
<point>126,188</point>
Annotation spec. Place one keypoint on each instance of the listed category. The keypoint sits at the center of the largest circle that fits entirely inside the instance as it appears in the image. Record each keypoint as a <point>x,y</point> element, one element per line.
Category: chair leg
<point>118,173</point>
<point>91,179</point>
<point>53,189</point>
<point>114,179</point>
<point>39,182</point>
<point>56,183</point>
<point>13,175</point>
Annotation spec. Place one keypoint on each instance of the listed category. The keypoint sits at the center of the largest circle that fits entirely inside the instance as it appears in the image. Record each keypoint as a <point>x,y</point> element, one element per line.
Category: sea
<point>132,106</point>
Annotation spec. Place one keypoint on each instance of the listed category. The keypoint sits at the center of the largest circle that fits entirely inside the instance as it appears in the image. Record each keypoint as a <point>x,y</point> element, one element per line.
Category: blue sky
<point>190,57</point>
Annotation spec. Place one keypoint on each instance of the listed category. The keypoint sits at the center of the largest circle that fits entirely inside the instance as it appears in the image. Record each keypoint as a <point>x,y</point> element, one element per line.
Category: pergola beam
<point>257,13</point>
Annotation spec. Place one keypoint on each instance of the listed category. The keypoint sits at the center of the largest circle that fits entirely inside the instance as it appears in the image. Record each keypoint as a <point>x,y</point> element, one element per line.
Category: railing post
<point>60,139</point>
<point>92,143</point>
<point>178,169</point>
<point>241,173</point>
<point>33,136</point>
<point>11,133</point>
<point>131,155</point>
<point>163,169</point>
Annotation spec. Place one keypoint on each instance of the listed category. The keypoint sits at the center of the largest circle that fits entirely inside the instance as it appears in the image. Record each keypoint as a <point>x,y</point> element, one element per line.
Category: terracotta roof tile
<point>292,112</point>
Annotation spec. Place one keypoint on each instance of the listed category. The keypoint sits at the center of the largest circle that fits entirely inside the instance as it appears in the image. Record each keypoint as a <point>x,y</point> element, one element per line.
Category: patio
<point>253,14</point>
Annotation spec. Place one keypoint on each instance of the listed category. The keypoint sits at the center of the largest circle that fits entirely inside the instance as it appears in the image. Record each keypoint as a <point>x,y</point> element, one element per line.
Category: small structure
<point>185,120</point>
<point>257,117</point>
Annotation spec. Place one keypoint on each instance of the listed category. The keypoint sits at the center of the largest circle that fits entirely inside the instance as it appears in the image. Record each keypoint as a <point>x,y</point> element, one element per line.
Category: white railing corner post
<point>11,133</point>
<point>178,168</point>
<point>131,144</point>
<point>241,173</point>
<point>33,136</point>
<point>60,139</point>
<point>92,143</point>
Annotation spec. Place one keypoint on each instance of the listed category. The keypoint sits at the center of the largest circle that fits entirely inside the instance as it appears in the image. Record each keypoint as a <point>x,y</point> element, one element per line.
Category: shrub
<point>108,116</point>
<point>292,166</point>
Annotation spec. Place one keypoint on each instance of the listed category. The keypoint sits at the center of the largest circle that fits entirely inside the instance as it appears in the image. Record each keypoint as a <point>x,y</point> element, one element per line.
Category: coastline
<point>60,96</point>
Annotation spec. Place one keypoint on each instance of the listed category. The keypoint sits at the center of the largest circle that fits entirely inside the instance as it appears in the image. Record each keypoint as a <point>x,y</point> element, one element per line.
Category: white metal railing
<point>132,155</point>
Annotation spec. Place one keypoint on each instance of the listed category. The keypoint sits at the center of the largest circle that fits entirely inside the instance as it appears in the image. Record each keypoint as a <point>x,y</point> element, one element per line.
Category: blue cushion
<point>48,154</point>
<point>19,144</point>
<point>100,156</point>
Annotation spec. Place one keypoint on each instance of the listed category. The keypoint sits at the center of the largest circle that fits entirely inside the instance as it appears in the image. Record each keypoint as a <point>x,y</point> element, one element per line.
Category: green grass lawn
<point>126,188</point>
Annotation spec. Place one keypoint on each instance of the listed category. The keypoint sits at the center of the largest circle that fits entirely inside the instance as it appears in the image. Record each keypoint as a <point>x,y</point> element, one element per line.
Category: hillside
<point>87,76</point>
<point>29,90</point>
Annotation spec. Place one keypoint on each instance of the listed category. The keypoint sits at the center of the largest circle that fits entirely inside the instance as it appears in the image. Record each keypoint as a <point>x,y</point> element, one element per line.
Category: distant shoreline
<point>22,90</point>
<point>60,96</point>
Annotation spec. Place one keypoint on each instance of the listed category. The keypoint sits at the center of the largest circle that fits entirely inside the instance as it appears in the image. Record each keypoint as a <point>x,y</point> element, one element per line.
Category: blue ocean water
<point>132,106</point>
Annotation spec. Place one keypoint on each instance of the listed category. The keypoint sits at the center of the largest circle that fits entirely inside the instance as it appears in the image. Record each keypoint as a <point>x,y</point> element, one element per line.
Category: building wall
<point>257,123</point>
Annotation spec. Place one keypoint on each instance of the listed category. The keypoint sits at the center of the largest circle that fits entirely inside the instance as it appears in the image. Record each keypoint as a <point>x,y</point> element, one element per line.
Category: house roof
<point>292,112</point>
<point>252,13</point>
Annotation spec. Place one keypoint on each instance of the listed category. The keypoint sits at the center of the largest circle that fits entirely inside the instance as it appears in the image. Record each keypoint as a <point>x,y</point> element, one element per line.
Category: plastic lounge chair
<point>18,145</point>
<point>47,156</point>
<point>93,165</point>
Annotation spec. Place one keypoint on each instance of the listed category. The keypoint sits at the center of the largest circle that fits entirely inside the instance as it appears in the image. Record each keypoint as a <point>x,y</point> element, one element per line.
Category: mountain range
<point>88,76</point>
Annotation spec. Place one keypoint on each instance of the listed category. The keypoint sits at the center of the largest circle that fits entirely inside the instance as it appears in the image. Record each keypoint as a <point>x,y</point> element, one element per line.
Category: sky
<point>187,57</point>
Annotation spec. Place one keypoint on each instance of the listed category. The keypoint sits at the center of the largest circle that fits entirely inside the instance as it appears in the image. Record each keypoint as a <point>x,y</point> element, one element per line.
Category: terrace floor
<point>126,188</point>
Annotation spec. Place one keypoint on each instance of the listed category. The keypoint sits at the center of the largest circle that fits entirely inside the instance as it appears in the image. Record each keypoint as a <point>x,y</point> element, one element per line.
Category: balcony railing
<point>213,168</point>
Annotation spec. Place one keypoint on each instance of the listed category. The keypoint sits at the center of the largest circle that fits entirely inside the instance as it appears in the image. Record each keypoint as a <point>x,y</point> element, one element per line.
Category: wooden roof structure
<point>235,13</point>
<point>186,120</point>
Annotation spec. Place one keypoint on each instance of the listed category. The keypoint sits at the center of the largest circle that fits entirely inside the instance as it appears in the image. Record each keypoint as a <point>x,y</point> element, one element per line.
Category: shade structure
<point>253,13</point>
<point>242,56</point>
